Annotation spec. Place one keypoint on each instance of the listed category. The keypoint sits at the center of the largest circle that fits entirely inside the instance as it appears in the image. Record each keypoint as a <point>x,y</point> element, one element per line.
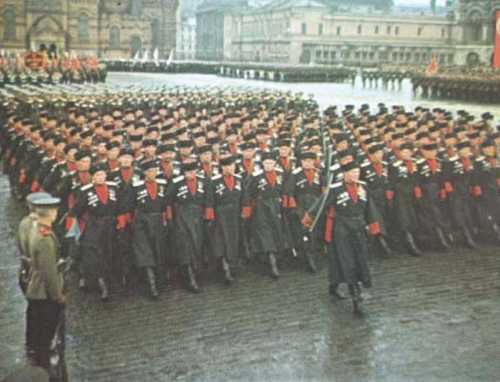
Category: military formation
<point>163,181</point>
<point>476,83</point>
<point>37,68</point>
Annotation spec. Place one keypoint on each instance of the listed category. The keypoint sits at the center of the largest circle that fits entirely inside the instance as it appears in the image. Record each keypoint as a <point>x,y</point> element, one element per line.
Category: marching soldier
<point>188,209</point>
<point>225,195</point>
<point>302,194</point>
<point>350,213</point>
<point>262,203</point>
<point>405,191</point>
<point>97,201</point>
<point>147,201</point>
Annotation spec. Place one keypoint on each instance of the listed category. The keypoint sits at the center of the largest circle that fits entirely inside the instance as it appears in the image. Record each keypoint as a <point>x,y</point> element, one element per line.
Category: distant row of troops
<point>185,187</point>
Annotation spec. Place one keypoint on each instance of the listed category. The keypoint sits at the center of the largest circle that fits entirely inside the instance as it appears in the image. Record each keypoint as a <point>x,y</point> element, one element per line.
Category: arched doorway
<point>472,59</point>
<point>48,32</point>
<point>135,45</point>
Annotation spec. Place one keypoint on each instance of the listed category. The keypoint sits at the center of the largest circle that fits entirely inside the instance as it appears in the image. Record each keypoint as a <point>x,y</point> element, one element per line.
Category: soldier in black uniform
<point>147,201</point>
<point>429,188</point>
<point>97,201</point>
<point>350,213</point>
<point>486,188</point>
<point>225,196</point>
<point>187,201</point>
<point>402,179</point>
<point>124,177</point>
<point>262,203</point>
<point>303,191</point>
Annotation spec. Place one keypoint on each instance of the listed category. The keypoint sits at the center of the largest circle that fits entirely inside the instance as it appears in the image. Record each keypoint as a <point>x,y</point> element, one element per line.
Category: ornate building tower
<point>475,19</point>
<point>110,28</point>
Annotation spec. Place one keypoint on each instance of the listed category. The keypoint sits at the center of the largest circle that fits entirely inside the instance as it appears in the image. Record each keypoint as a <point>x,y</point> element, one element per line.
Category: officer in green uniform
<point>24,233</point>
<point>45,288</point>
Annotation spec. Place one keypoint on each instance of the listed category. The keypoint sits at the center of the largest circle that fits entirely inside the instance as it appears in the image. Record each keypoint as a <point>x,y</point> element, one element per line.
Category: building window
<point>318,55</point>
<point>372,55</point>
<point>451,58</point>
<point>376,29</point>
<point>304,28</point>
<point>114,37</point>
<point>356,55</point>
<point>419,31</point>
<point>395,56</point>
<point>360,29</point>
<point>320,29</point>
<point>417,57</point>
<point>389,29</point>
<point>443,32</point>
<point>136,9</point>
<point>155,33</point>
<point>408,56</point>
<point>396,31</point>
<point>83,28</point>
<point>9,24</point>
<point>339,31</point>
<point>333,55</point>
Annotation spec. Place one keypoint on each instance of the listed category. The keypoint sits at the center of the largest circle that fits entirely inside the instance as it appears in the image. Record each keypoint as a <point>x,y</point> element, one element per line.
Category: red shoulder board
<point>44,231</point>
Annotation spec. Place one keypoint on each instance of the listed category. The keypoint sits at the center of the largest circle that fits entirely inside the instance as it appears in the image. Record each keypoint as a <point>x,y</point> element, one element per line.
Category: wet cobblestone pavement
<point>434,318</point>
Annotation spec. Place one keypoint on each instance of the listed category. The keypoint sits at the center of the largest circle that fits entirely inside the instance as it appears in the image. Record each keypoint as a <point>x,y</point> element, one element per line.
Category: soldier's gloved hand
<point>306,221</point>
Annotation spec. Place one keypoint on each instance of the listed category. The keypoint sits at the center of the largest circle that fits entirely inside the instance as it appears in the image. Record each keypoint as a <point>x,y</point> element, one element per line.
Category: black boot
<point>274,266</point>
<point>468,239</point>
<point>414,251</point>
<point>496,230</point>
<point>356,300</point>
<point>383,244</point>
<point>152,282</point>
<point>336,293</point>
<point>442,240</point>
<point>82,284</point>
<point>228,277</point>
<point>311,264</point>
<point>359,292</point>
<point>192,284</point>
<point>104,289</point>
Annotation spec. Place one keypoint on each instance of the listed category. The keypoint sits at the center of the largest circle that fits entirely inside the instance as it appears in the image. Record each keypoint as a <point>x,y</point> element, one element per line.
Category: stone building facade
<point>107,28</point>
<point>315,32</point>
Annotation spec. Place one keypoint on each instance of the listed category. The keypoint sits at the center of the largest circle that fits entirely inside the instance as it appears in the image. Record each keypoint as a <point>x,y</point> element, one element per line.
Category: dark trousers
<point>42,317</point>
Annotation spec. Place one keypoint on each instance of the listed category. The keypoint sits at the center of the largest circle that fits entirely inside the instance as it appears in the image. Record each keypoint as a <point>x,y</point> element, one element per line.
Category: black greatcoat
<point>187,213</point>
<point>403,214</point>
<point>379,188</point>
<point>487,180</point>
<point>429,206</point>
<point>149,225</point>
<point>96,238</point>
<point>346,233</point>
<point>225,235</point>
<point>303,198</point>
<point>123,257</point>
<point>266,224</point>
<point>457,184</point>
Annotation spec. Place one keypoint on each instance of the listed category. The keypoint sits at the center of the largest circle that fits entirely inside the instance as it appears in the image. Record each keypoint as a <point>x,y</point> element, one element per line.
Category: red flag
<point>496,54</point>
<point>433,67</point>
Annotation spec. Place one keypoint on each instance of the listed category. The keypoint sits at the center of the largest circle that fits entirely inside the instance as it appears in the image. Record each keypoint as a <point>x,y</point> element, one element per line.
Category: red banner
<point>496,53</point>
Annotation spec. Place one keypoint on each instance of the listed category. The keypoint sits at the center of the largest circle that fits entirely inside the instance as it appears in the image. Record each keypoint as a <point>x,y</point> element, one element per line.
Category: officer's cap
<point>35,196</point>
<point>46,201</point>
